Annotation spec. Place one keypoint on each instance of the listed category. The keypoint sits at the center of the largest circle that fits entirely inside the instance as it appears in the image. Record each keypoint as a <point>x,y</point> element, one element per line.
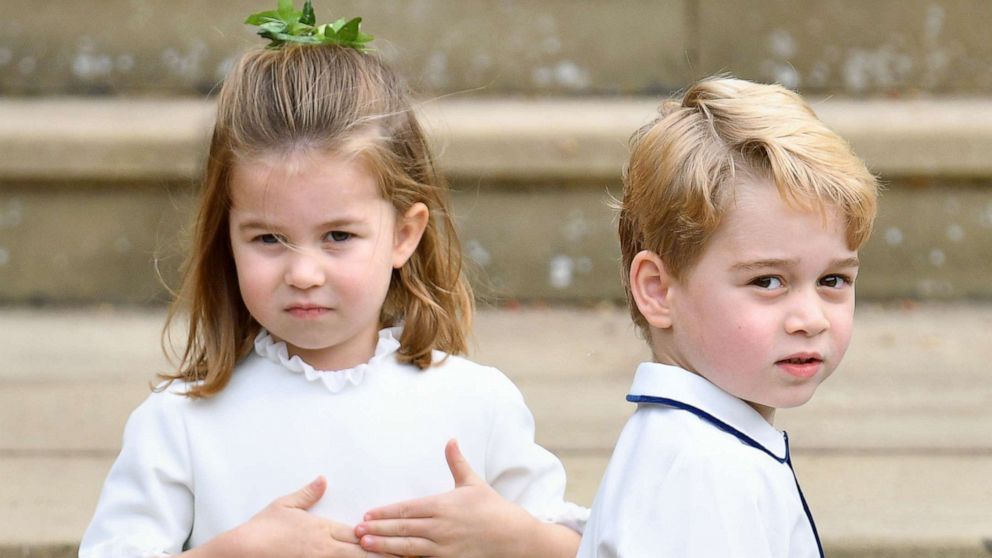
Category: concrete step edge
<point>121,139</point>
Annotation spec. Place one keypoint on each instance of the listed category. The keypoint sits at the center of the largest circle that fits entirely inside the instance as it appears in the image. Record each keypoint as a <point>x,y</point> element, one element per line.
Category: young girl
<point>325,305</point>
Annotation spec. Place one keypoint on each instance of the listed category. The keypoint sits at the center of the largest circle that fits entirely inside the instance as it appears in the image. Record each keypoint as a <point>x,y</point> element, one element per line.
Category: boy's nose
<point>807,316</point>
<point>303,270</point>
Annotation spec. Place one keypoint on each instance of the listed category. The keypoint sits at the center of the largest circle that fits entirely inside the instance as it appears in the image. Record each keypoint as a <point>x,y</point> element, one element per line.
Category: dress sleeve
<point>700,507</point>
<point>146,507</point>
<point>521,470</point>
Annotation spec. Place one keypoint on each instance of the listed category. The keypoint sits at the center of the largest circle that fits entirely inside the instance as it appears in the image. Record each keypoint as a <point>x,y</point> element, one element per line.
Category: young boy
<point>740,225</point>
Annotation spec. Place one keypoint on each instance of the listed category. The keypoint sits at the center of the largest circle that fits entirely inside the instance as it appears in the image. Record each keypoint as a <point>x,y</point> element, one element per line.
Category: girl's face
<point>315,244</point>
<point>766,312</point>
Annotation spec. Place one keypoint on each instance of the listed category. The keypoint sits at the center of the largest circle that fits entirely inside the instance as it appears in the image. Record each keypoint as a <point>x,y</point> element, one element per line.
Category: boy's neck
<point>662,354</point>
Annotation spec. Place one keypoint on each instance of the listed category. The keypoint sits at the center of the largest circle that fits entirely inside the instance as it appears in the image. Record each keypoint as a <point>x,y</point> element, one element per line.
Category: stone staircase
<point>102,129</point>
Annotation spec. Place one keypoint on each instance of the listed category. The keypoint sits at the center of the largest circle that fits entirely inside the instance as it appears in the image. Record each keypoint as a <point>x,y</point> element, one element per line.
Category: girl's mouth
<point>307,312</point>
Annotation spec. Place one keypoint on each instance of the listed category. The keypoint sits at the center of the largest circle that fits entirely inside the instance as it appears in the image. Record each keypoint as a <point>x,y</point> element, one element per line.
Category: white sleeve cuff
<point>568,514</point>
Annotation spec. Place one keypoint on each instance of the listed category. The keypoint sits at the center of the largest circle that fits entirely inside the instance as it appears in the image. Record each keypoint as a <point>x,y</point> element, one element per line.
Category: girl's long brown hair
<point>332,99</point>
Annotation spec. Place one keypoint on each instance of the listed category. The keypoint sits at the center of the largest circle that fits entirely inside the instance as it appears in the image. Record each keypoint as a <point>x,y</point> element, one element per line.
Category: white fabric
<point>678,485</point>
<point>191,469</point>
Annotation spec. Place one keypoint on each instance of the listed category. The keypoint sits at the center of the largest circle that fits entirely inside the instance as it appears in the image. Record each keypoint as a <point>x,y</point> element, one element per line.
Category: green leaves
<point>308,17</point>
<point>286,25</point>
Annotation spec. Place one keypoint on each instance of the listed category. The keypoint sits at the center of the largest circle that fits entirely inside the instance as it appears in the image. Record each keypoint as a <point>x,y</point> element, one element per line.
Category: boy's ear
<point>650,285</point>
<point>409,228</point>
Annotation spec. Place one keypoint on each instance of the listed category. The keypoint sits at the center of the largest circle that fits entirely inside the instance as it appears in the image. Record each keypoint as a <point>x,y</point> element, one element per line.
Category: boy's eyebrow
<point>764,264</point>
<point>791,262</point>
<point>846,262</point>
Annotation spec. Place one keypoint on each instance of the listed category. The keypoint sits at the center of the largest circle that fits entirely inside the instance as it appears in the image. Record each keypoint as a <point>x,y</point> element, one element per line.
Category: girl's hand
<point>471,521</point>
<point>285,529</point>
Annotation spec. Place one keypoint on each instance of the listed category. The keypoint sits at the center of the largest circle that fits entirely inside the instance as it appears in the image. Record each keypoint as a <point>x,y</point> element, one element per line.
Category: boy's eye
<point>835,281</point>
<point>768,282</point>
<point>339,236</point>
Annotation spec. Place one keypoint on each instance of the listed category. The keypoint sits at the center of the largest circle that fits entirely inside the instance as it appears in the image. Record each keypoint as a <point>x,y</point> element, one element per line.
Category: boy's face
<point>766,312</point>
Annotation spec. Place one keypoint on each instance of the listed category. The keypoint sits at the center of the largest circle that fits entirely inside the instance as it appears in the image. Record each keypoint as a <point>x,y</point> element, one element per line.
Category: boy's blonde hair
<point>684,166</point>
<point>330,99</point>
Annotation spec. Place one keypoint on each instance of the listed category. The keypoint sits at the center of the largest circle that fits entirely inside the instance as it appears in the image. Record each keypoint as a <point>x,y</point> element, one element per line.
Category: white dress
<point>697,472</point>
<point>191,469</point>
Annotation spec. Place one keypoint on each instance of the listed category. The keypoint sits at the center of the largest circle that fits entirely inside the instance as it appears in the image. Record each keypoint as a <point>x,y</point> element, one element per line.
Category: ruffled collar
<point>334,380</point>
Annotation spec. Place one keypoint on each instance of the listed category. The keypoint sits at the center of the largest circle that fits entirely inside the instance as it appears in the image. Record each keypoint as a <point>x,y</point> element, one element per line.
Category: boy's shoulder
<point>681,477</point>
<point>666,456</point>
<point>664,430</point>
<point>682,415</point>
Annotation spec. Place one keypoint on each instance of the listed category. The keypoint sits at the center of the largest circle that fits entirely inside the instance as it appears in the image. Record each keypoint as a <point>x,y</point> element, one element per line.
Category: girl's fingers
<point>411,509</point>
<point>305,497</point>
<point>355,551</point>
<point>418,527</point>
<point>343,533</point>
<point>400,546</point>
<point>460,469</point>
<point>344,544</point>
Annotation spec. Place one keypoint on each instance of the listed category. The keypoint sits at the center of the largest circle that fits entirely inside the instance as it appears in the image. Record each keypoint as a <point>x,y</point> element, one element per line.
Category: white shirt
<point>191,469</point>
<point>697,472</point>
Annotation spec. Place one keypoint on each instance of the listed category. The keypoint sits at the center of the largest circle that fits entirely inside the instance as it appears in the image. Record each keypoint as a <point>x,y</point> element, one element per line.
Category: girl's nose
<point>807,316</point>
<point>304,271</point>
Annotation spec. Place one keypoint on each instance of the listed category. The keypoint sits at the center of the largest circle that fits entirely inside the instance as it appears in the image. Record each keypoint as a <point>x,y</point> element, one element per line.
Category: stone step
<point>118,140</point>
<point>94,194</point>
<point>170,47</point>
<point>893,452</point>
<point>910,382</point>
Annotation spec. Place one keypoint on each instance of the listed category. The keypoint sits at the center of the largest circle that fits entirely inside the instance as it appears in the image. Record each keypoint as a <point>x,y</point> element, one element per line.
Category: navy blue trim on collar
<point>787,460</point>
<point>714,421</point>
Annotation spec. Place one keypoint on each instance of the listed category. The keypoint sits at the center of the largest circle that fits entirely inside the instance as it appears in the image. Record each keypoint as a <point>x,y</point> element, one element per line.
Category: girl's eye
<point>268,239</point>
<point>339,236</point>
<point>768,282</point>
<point>835,281</point>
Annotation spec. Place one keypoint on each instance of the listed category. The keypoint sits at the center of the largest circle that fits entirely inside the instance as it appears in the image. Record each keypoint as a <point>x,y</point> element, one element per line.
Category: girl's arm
<point>472,521</point>
<point>146,506</point>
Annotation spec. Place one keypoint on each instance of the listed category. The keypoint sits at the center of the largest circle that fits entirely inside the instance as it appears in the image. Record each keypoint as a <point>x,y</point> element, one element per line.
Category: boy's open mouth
<point>800,360</point>
<point>801,365</point>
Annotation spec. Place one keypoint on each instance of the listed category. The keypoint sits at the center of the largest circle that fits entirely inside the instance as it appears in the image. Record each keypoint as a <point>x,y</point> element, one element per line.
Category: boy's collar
<point>679,388</point>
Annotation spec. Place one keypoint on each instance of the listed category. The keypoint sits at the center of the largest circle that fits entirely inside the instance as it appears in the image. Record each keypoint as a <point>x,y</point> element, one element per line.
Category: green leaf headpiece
<point>286,25</point>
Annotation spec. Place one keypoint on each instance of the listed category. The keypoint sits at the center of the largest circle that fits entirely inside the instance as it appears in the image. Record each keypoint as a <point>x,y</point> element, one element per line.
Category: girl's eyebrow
<point>775,263</point>
<point>254,224</point>
<point>251,225</point>
<point>341,222</point>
